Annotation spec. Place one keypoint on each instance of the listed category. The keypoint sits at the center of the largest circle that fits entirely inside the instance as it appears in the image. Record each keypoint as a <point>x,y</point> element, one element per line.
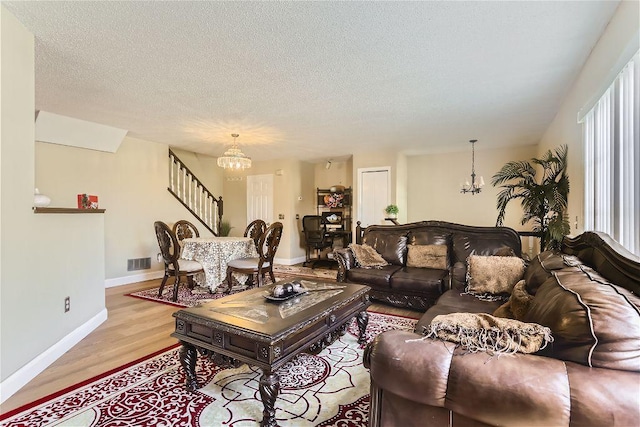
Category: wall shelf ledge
<point>47,210</point>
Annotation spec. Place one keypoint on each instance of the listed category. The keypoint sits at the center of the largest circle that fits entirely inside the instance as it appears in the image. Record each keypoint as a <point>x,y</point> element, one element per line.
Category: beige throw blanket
<point>484,332</point>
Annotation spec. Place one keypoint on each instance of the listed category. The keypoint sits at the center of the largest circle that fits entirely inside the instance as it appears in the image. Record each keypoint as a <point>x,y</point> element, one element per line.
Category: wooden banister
<point>194,195</point>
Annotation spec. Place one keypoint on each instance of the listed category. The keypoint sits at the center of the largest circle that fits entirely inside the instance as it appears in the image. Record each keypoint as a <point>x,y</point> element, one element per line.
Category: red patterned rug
<point>188,298</point>
<point>330,389</point>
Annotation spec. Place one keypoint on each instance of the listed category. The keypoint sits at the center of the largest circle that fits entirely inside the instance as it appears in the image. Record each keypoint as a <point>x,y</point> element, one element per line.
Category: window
<point>611,131</point>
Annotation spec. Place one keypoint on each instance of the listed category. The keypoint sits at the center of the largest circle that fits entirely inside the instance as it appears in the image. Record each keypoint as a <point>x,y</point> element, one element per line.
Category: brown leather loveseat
<point>588,295</point>
<point>417,287</point>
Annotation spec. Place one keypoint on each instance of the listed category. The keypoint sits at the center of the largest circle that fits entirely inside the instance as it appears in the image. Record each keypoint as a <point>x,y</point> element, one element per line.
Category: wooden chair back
<point>269,242</point>
<point>183,229</point>
<point>255,230</point>
<point>169,247</point>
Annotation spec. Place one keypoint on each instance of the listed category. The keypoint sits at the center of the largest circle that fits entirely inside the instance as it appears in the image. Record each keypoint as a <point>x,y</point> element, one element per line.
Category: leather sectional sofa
<point>588,295</point>
<point>416,287</point>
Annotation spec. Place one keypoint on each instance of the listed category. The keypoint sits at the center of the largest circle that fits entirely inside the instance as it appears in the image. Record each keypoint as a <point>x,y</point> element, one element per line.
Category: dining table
<point>214,253</point>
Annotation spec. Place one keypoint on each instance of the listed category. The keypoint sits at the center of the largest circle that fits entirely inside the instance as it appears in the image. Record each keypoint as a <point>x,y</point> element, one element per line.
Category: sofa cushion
<point>540,268</point>
<point>427,256</point>
<point>493,274</point>
<point>366,256</point>
<point>593,321</point>
<point>420,279</point>
<point>467,244</point>
<point>392,245</point>
<point>429,236</point>
<point>374,277</point>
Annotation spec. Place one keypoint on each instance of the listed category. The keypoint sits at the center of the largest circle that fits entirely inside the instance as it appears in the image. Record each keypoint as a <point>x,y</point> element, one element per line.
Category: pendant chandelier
<point>473,187</point>
<point>233,158</point>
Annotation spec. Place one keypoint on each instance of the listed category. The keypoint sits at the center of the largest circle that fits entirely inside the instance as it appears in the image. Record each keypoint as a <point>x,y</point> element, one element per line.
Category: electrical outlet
<point>280,216</point>
<point>67,304</point>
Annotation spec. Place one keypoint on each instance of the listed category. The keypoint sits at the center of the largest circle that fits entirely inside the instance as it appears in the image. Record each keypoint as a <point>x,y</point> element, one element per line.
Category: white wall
<point>43,257</point>
<point>618,42</point>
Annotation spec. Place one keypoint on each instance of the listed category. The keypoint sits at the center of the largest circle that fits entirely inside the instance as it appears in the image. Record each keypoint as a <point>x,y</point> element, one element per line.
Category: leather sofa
<point>416,287</point>
<point>588,295</point>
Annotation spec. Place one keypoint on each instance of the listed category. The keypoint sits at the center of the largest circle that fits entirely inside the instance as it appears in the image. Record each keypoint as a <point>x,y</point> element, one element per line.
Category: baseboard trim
<point>289,261</point>
<point>126,280</point>
<point>22,376</point>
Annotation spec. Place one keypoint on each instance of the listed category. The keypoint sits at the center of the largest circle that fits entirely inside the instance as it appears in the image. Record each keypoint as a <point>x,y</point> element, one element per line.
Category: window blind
<point>611,139</point>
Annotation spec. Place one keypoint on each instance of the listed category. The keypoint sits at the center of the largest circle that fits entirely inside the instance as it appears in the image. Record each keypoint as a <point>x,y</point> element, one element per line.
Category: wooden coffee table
<point>248,328</point>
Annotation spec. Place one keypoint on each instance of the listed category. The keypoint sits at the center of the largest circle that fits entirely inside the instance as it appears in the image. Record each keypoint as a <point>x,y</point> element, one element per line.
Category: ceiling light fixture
<point>474,187</point>
<point>233,158</point>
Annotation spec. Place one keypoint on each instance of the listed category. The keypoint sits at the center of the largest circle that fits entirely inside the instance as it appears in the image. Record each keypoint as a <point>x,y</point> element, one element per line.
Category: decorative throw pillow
<point>366,256</point>
<point>484,332</point>
<point>493,274</point>
<point>427,256</point>
<point>518,304</point>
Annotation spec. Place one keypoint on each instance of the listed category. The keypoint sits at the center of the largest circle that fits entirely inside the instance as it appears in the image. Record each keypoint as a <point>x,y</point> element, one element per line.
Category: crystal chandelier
<point>473,187</point>
<point>233,158</point>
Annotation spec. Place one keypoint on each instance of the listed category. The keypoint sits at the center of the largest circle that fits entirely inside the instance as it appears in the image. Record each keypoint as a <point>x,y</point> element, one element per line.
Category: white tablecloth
<point>214,253</point>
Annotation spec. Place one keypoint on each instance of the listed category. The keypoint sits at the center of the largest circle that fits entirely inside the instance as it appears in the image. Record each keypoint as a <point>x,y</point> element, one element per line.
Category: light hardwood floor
<point>135,328</point>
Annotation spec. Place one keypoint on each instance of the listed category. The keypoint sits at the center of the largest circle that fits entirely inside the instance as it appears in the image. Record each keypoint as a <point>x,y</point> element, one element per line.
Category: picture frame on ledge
<point>87,201</point>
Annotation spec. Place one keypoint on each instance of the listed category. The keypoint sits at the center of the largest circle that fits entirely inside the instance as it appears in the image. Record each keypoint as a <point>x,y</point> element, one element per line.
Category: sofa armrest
<point>518,389</point>
<point>346,261</point>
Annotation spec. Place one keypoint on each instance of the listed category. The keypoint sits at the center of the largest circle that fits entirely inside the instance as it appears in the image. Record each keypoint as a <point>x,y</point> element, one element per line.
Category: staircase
<point>193,195</point>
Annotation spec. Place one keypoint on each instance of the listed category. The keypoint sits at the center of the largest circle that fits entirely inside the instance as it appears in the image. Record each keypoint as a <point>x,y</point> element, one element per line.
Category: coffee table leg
<point>269,389</point>
<point>363,320</point>
<point>188,356</point>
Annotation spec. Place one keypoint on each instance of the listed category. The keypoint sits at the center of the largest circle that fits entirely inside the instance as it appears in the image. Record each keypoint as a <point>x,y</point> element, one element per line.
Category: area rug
<point>330,389</point>
<point>187,298</point>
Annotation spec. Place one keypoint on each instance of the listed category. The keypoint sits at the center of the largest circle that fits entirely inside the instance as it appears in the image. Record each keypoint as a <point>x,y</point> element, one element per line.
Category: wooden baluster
<point>172,161</point>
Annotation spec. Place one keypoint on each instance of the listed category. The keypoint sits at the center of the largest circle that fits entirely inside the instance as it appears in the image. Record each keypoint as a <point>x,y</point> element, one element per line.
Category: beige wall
<point>340,173</point>
<point>618,42</point>
<point>131,185</point>
<point>43,257</point>
<point>297,179</point>
<point>434,187</point>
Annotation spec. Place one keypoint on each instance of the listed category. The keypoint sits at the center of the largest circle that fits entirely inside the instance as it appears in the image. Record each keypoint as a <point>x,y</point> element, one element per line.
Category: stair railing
<point>193,194</point>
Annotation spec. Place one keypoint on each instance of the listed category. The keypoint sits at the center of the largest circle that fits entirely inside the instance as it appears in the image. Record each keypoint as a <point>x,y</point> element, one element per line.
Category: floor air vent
<point>138,264</point>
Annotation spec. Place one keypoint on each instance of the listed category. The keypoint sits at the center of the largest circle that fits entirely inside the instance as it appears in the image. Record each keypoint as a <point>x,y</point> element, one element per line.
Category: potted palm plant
<point>224,228</point>
<point>543,201</point>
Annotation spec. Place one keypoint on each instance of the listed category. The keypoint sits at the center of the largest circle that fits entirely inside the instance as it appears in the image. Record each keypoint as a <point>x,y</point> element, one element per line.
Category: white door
<point>374,194</point>
<point>260,198</point>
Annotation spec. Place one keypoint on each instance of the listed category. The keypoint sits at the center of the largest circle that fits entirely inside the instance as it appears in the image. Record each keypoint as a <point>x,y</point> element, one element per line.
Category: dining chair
<point>183,229</point>
<point>316,237</point>
<point>267,247</point>
<point>173,264</point>
<point>255,230</point>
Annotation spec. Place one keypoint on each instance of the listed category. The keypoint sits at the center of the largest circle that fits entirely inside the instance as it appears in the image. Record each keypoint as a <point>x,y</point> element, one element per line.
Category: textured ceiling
<point>314,80</point>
